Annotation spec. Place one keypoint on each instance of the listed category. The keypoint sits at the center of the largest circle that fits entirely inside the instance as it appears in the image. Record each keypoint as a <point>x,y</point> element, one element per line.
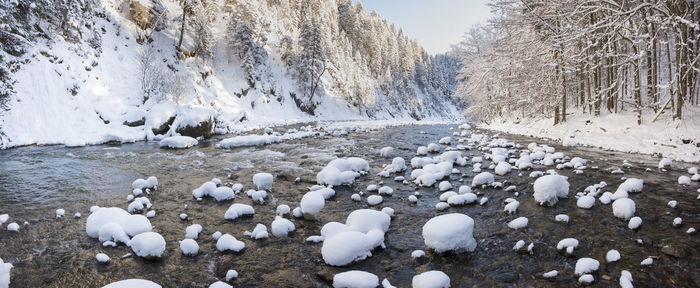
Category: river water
<point>50,252</point>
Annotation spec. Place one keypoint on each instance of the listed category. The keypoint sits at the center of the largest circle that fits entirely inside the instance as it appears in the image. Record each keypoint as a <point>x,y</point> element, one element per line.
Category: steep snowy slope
<point>95,71</point>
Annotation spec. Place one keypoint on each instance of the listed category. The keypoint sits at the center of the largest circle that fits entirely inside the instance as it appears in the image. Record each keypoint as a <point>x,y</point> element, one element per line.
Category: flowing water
<point>50,252</point>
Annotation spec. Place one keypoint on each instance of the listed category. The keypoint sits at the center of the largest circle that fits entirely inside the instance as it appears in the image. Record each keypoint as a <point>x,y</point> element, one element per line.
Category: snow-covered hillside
<point>95,71</point>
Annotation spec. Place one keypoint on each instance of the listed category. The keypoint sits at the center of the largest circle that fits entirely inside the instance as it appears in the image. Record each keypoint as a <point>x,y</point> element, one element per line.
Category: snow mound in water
<point>178,142</point>
<point>312,202</point>
<point>189,247</point>
<point>363,231</point>
<point>386,152</point>
<point>502,168</point>
<point>116,223</point>
<point>431,279</point>
<point>585,202</point>
<point>517,223</point>
<point>237,210</point>
<point>263,181</point>
<point>143,184</point>
<point>355,279</point>
<point>248,140</point>
<point>131,283</point>
<point>632,185</point>
<point>342,171</point>
<point>623,208</point>
<point>549,188</point>
<point>227,242</point>
<point>482,179</point>
<point>398,164</point>
<point>148,245</point>
<point>5,273</point>
<point>450,232</point>
<point>431,173</point>
<point>586,265</point>
<point>281,227</point>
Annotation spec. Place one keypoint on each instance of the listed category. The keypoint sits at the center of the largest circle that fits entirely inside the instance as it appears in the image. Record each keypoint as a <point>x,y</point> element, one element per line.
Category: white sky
<point>435,24</point>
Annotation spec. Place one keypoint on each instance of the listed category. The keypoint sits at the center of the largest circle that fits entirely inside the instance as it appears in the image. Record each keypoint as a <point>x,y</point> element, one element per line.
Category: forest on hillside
<point>544,58</point>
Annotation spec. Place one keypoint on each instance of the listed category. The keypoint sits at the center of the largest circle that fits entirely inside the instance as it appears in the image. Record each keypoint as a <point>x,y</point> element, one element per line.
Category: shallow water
<point>49,252</point>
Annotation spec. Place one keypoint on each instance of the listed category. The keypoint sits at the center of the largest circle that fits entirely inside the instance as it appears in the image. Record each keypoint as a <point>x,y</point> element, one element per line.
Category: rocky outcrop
<point>140,14</point>
<point>201,129</point>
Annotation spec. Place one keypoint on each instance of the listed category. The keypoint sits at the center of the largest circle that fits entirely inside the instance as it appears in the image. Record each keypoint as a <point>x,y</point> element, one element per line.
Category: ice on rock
<point>431,279</point>
<point>192,231</point>
<point>281,227</point>
<point>259,232</point>
<point>231,274</point>
<point>148,245</point>
<point>101,257</point>
<point>548,189</point>
<point>189,247</point>
<point>612,256</point>
<point>229,243</point>
<point>342,171</point>
<point>502,168</point>
<point>386,152</point>
<point>684,180</point>
<point>238,210</point>
<point>634,223</point>
<point>119,221</point>
<point>585,202</point>
<point>373,200</point>
<point>450,232</point>
<point>417,254</point>
<point>263,181</point>
<point>482,179</point>
<point>178,142</point>
<point>562,218</point>
<point>131,283</point>
<point>355,279</point>
<point>311,203</point>
<point>586,265</point>
<point>444,186</point>
<point>623,208</point>
<point>517,223</point>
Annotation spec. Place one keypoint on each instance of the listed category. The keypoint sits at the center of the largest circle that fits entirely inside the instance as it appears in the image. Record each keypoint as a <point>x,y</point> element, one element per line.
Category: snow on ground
<point>618,132</point>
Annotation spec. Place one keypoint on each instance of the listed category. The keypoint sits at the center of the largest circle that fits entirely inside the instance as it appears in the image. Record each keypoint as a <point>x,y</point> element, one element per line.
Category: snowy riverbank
<point>677,140</point>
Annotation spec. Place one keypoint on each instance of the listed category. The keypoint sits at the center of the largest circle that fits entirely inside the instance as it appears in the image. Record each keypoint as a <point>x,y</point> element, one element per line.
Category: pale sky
<point>435,24</point>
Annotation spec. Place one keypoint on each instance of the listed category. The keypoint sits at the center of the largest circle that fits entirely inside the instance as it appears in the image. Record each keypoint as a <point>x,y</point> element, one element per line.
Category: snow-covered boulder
<point>343,248</point>
<point>311,203</point>
<point>517,223</point>
<point>150,245</point>
<point>431,279</point>
<point>450,232</point>
<point>189,247</point>
<point>386,152</point>
<point>586,265</point>
<point>196,122</point>
<point>355,279</point>
<point>502,168</point>
<point>549,188</point>
<point>131,283</point>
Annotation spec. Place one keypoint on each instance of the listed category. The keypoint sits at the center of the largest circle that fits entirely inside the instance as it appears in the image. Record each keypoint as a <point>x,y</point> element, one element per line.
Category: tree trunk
<point>182,28</point>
